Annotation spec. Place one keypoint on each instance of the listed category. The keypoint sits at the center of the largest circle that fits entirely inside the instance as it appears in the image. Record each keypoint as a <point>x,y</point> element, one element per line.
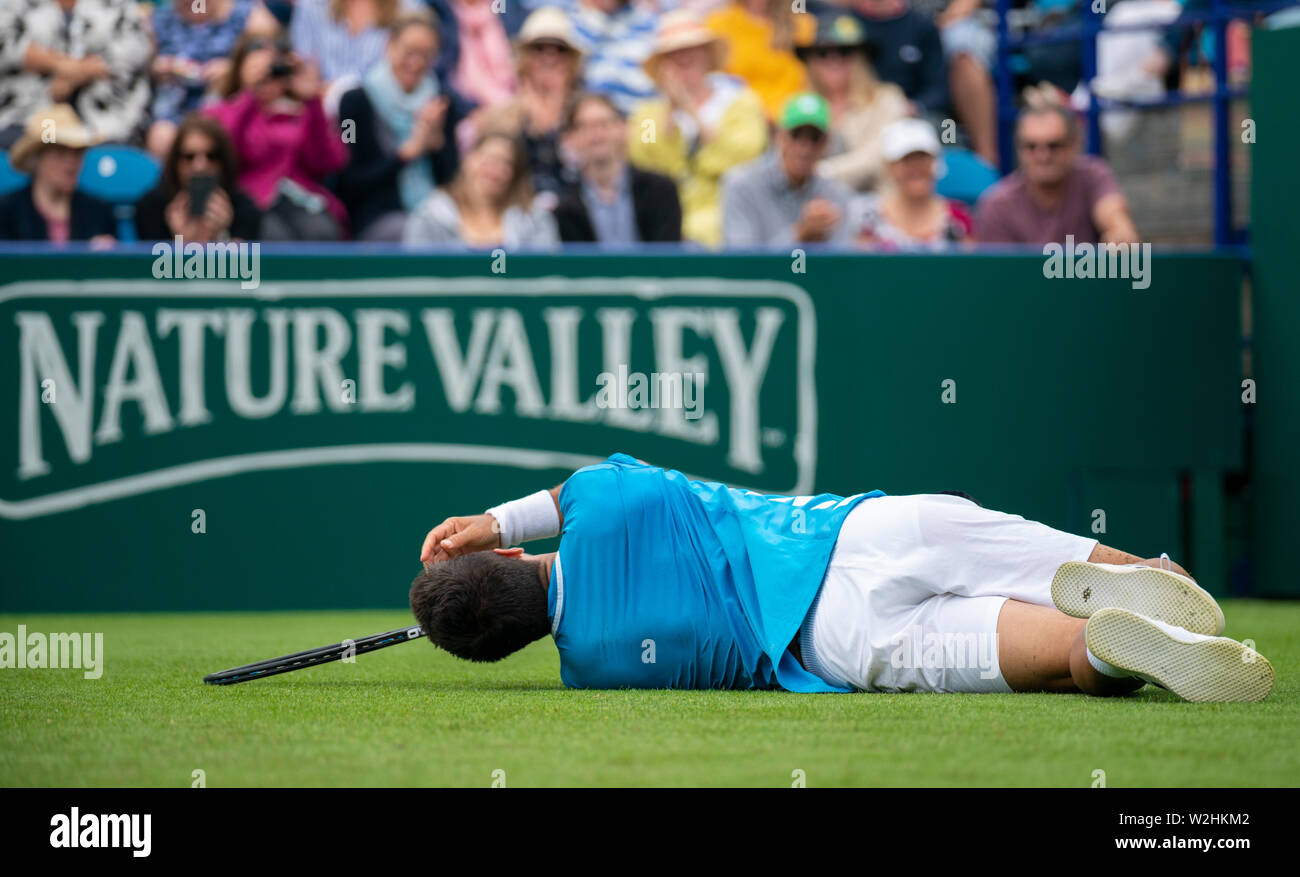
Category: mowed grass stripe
<point>412,715</point>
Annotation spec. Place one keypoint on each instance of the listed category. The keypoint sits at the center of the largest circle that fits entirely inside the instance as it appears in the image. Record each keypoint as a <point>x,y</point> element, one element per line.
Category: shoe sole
<point>1081,589</point>
<point>1217,670</point>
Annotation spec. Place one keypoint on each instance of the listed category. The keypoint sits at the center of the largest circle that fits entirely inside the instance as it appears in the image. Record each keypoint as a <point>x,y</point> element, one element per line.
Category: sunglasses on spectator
<point>548,48</point>
<point>831,52</point>
<point>207,155</point>
<point>279,45</point>
<point>1049,145</point>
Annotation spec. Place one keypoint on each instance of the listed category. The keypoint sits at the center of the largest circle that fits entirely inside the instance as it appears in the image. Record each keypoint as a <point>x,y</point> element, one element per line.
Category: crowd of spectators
<point>727,123</point>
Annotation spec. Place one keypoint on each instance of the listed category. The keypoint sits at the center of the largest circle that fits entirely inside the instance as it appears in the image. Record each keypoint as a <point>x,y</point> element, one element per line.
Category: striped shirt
<point>615,47</point>
<point>316,35</point>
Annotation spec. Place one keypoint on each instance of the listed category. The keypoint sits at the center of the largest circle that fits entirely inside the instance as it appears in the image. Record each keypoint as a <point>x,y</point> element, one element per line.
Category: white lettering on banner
<point>484,360</point>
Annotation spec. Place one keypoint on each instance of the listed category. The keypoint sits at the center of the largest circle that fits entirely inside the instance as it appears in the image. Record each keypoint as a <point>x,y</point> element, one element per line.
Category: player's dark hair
<point>481,606</point>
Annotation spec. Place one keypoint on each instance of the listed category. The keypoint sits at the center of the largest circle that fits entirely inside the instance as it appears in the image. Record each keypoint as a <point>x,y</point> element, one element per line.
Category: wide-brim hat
<point>58,125</point>
<point>549,24</point>
<point>683,29</point>
<point>839,30</point>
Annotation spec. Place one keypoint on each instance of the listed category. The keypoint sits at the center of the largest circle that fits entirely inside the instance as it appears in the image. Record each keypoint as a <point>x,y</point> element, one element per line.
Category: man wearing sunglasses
<point>780,199</point>
<point>1056,191</point>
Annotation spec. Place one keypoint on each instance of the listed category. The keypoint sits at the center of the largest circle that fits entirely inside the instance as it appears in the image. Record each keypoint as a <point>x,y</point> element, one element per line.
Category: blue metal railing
<point>1218,17</point>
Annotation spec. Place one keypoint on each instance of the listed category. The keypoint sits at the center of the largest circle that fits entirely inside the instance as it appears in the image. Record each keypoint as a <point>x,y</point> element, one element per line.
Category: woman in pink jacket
<point>285,141</point>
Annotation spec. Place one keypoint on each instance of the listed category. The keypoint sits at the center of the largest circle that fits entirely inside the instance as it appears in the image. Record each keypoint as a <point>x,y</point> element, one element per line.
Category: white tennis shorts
<point>911,598</point>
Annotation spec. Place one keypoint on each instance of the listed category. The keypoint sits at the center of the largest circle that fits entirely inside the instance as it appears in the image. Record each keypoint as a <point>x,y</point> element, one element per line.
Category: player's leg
<point>1106,554</point>
<point>1043,649</point>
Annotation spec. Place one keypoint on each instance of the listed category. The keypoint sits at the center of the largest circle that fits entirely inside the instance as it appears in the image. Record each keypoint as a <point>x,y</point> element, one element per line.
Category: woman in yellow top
<point>761,36</point>
<point>706,123</point>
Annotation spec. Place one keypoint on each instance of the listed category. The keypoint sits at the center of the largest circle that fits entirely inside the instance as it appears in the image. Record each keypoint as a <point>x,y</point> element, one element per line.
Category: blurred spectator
<point>970,46</point>
<point>285,143</point>
<point>403,141</point>
<point>1056,192</point>
<point>761,36</point>
<point>907,214</point>
<point>486,71</point>
<point>911,53</point>
<point>549,64</point>
<point>49,207</point>
<point>861,105</point>
<point>488,204</point>
<point>707,123</point>
<point>344,37</point>
<point>91,54</point>
<point>615,36</point>
<point>200,165</point>
<point>780,198</point>
<point>613,203</point>
<point>194,46</point>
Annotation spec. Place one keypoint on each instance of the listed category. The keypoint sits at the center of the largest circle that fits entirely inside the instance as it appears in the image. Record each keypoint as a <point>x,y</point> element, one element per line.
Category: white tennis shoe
<point>1081,589</point>
<point>1193,666</point>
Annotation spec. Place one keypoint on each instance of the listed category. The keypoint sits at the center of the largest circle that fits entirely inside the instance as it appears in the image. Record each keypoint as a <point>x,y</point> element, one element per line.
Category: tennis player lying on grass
<point>665,582</point>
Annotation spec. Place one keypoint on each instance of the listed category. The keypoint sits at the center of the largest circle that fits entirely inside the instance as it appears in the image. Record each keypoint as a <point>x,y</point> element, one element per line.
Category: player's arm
<point>536,516</point>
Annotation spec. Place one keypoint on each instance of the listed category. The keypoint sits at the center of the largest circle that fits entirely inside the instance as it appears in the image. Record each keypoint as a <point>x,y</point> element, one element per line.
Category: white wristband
<point>533,517</point>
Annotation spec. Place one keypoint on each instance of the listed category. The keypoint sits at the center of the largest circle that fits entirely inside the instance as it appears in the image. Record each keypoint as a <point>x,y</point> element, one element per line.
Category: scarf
<point>396,110</point>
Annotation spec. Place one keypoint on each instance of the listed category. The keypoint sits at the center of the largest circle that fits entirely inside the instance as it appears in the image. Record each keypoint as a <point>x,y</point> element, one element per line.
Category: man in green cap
<point>779,199</point>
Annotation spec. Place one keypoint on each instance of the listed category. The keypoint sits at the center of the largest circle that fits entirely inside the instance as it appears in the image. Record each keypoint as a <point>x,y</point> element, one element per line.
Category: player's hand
<point>457,536</point>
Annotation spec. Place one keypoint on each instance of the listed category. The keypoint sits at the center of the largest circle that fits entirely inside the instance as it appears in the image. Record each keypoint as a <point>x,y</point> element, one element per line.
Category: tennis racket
<point>313,657</point>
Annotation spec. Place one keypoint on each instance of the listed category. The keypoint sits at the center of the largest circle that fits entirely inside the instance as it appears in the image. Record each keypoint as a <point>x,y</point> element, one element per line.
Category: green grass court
<point>411,715</point>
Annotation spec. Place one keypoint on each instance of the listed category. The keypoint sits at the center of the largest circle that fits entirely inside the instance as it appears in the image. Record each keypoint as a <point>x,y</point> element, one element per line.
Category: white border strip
<point>645,288</point>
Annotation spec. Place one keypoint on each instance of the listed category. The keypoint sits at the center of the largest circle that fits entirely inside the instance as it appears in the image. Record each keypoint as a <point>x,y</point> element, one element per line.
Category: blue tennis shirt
<point>665,582</point>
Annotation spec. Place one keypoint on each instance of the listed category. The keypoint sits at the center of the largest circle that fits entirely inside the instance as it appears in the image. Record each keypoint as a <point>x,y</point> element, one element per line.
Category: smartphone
<point>200,189</point>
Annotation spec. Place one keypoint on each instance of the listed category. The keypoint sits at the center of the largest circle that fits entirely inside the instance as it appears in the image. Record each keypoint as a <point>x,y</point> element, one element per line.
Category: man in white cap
<point>780,199</point>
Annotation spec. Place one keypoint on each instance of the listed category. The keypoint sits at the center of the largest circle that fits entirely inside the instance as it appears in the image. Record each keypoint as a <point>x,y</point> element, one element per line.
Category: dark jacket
<point>21,221</point>
<point>368,185</point>
<point>151,219</point>
<point>654,202</point>
<point>910,55</point>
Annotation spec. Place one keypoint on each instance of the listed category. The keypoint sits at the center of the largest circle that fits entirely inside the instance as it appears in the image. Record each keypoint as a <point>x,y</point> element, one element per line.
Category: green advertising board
<point>191,444</point>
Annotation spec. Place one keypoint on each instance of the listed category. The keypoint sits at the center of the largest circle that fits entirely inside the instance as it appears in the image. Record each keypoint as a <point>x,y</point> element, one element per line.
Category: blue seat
<point>967,175</point>
<point>10,179</point>
<point>120,175</point>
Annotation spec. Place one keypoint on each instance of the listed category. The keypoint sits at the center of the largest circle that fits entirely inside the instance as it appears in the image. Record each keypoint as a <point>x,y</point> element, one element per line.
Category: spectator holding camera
<point>198,196</point>
<point>403,144</point>
<point>489,203</point>
<point>91,54</point>
<point>49,208</point>
<point>284,142</point>
<point>193,54</point>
